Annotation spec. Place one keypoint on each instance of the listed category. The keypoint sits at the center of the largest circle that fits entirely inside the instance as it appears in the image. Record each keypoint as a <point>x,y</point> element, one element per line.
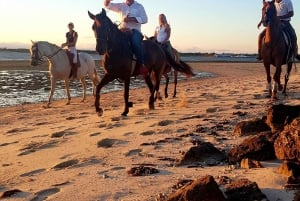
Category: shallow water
<point>32,86</point>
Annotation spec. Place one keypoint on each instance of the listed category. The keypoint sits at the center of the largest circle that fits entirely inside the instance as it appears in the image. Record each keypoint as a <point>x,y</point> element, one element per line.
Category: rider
<point>162,34</point>
<point>285,12</point>
<point>71,41</point>
<point>132,15</point>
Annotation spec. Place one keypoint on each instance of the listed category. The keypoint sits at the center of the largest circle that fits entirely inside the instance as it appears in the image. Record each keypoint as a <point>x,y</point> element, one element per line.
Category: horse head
<point>269,12</point>
<point>36,57</point>
<point>103,28</point>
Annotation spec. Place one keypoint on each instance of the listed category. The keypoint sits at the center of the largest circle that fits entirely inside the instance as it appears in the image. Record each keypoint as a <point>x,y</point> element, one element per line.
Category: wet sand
<point>67,152</point>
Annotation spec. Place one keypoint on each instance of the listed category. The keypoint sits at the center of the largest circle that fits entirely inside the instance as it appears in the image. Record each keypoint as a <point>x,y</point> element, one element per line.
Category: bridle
<point>39,58</point>
<point>106,39</point>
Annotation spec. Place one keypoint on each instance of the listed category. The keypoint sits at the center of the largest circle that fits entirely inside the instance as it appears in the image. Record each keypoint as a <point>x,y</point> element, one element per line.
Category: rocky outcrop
<point>287,144</point>
<point>204,152</point>
<point>280,115</point>
<point>246,128</point>
<point>258,148</point>
<point>244,189</point>
<point>205,189</point>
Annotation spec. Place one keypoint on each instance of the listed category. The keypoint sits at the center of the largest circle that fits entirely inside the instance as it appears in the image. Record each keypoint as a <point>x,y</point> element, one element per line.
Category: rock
<point>142,171</point>
<point>245,190</point>
<point>204,189</point>
<point>287,144</point>
<point>203,152</point>
<point>289,168</point>
<point>247,163</point>
<point>258,148</point>
<point>246,128</point>
<point>279,115</point>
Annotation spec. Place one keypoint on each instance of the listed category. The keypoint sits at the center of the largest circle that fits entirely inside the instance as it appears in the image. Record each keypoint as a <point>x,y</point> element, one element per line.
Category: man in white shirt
<point>132,16</point>
<point>285,12</point>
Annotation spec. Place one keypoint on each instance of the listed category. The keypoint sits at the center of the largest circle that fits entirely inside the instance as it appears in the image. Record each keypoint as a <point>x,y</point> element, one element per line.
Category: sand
<point>53,154</point>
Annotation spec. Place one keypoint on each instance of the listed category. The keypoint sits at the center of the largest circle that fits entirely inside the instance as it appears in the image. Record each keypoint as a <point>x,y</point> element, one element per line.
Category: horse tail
<point>181,66</point>
<point>298,57</point>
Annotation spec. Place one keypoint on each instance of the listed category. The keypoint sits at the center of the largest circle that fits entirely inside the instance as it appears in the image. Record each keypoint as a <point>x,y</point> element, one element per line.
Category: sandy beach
<point>67,152</point>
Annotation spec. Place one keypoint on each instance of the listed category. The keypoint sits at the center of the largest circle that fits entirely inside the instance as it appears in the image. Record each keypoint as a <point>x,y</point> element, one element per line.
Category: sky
<point>197,25</point>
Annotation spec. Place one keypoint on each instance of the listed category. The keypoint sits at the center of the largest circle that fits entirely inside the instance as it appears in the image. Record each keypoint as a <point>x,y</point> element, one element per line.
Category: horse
<point>115,45</point>
<point>275,50</point>
<point>60,67</point>
<point>168,70</point>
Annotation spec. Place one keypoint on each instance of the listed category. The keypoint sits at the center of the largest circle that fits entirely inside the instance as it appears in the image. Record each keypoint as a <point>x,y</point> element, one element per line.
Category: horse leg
<point>276,84</point>
<point>287,76</point>
<point>151,89</point>
<point>126,97</point>
<point>167,84</point>
<point>53,85</point>
<point>106,79</point>
<point>68,91</point>
<point>175,83</point>
<point>269,79</point>
<point>82,80</point>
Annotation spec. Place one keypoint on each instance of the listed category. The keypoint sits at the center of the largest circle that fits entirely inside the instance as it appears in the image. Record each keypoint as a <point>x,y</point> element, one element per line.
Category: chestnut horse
<point>275,50</point>
<point>115,45</point>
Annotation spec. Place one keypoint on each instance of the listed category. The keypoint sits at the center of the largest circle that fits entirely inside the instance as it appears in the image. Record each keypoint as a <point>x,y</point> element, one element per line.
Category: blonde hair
<point>163,19</point>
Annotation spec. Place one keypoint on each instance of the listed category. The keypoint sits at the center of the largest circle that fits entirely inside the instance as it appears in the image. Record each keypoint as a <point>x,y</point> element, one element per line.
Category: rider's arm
<point>75,35</point>
<point>289,15</point>
<point>116,7</point>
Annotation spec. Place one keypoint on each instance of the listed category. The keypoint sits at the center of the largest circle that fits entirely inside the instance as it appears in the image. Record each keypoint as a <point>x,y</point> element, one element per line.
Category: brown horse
<point>115,45</point>
<point>275,50</point>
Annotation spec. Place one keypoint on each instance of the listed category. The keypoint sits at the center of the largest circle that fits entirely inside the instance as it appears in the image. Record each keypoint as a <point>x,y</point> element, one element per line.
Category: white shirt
<point>161,34</point>
<point>283,8</point>
<point>135,10</point>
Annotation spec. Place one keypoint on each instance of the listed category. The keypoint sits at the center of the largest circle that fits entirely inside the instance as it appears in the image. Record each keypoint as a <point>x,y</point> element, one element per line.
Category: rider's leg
<point>136,41</point>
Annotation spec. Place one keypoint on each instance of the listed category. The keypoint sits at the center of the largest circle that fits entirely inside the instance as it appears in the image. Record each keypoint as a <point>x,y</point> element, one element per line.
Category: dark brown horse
<point>117,61</point>
<point>275,50</point>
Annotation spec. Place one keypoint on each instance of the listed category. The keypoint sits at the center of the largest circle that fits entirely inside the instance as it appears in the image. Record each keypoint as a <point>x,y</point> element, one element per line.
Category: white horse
<point>60,67</point>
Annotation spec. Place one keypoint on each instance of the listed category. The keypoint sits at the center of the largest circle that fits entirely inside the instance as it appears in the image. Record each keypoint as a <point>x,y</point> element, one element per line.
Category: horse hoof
<point>68,103</point>
<point>151,107</point>
<point>99,112</point>
<point>124,114</point>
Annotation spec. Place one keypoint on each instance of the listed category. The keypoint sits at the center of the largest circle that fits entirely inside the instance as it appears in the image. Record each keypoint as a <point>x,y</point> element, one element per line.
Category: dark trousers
<point>136,42</point>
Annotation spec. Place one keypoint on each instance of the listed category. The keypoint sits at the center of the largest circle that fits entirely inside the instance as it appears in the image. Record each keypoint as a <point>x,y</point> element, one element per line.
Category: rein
<point>41,59</point>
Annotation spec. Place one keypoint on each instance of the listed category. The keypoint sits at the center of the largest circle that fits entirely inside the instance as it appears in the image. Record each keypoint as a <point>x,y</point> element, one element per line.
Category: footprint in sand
<point>36,146</point>
<point>32,173</point>
<point>63,133</point>
<point>44,194</point>
<point>95,134</point>
<point>15,131</point>
<point>8,143</point>
<point>66,164</point>
<point>133,152</point>
<point>165,123</point>
<point>145,133</point>
<point>107,142</point>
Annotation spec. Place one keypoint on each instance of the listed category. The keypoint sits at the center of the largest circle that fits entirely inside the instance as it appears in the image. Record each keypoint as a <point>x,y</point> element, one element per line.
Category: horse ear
<point>92,16</point>
<point>103,12</point>
<point>32,42</point>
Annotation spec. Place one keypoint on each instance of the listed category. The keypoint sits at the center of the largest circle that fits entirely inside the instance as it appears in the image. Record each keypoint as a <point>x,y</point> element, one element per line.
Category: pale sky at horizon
<point>197,25</point>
